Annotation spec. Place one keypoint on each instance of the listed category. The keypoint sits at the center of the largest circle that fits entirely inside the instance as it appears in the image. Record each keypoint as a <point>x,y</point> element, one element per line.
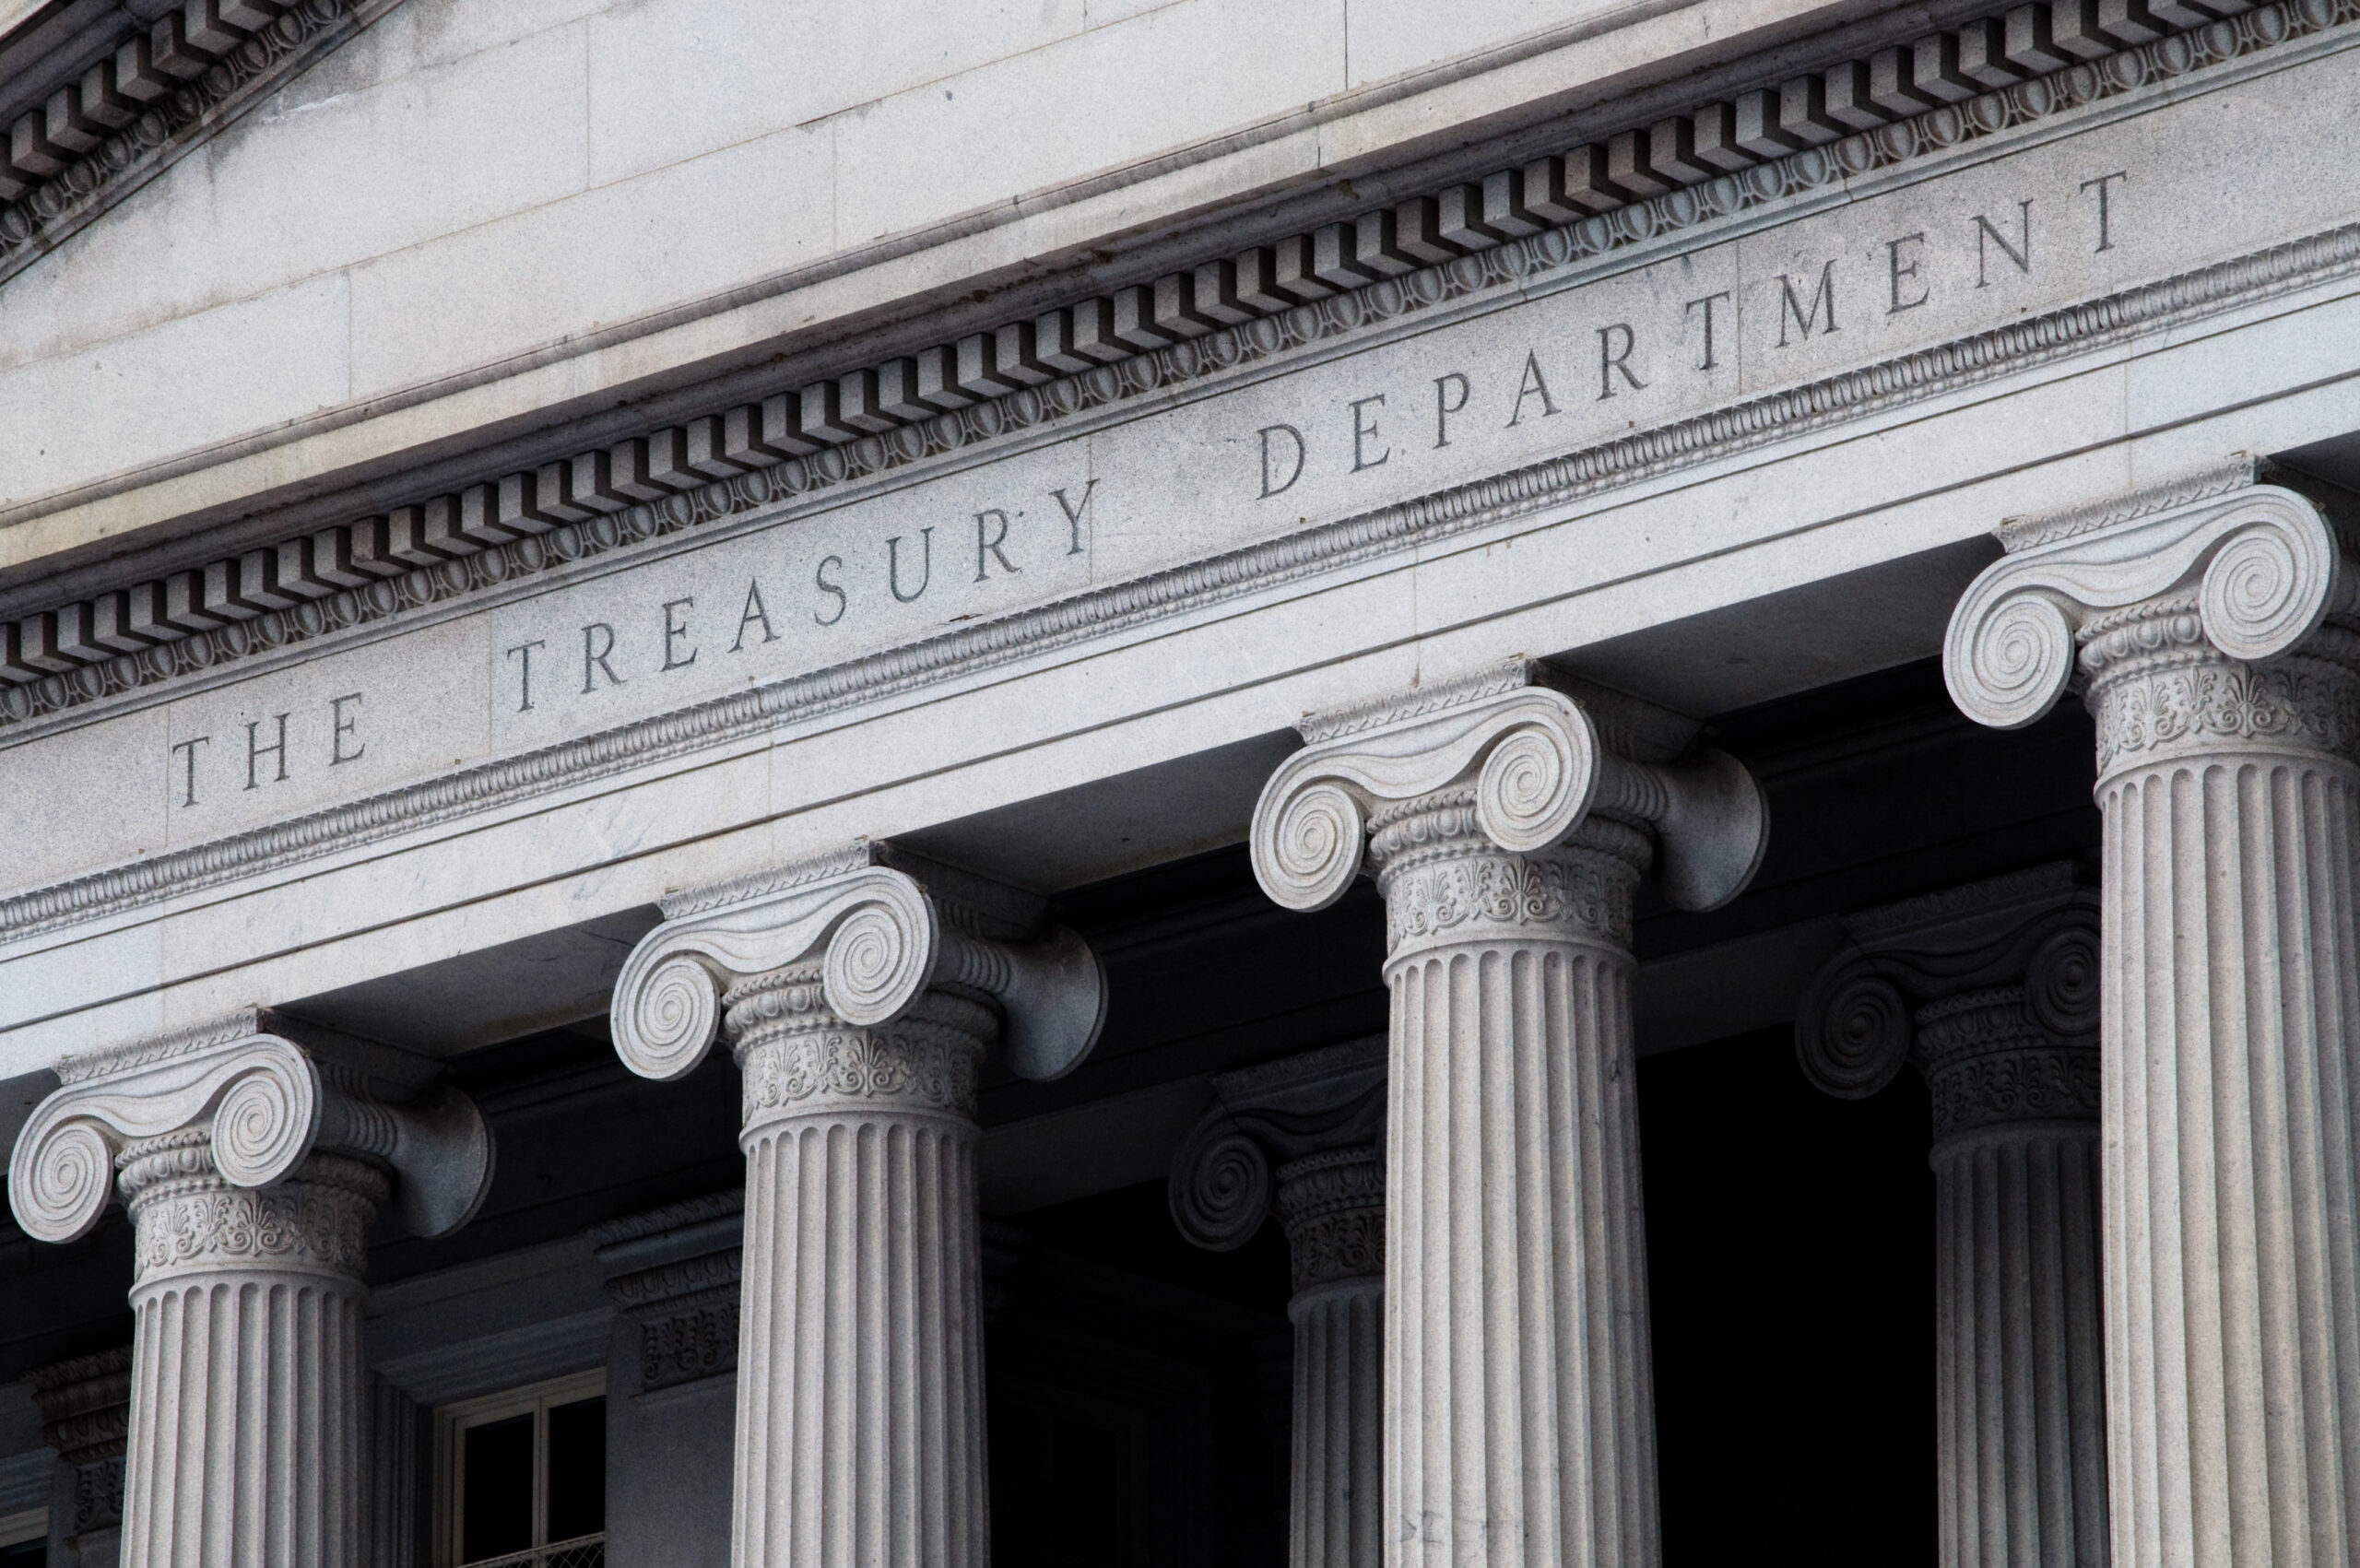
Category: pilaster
<point>859,992</point>
<point>1509,823</point>
<point>1304,1138</point>
<point>252,1154</point>
<point>2211,626</point>
<point>85,1416</point>
<point>1991,991</point>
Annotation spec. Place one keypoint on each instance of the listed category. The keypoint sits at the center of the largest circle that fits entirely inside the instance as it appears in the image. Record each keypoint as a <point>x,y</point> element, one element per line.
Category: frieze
<point>245,778</point>
<point>1518,225</point>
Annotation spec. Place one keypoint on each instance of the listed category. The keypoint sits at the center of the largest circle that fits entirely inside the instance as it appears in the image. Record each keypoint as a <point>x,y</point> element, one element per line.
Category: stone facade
<point>1165,618</point>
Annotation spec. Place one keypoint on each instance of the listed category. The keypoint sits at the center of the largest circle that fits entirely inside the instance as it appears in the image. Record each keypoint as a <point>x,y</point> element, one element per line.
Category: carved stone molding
<point>1519,224</point>
<point>1027,634</point>
<point>677,1278</point>
<point>85,1416</point>
<point>861,939</point>
<point>1320,1118</point>
<point>1312,1118</point>
<point>1991,989</point>
<point>858,990</point>
<point>84,1405</point>
<point>1516,766</point>
<point>136,111</point>
<point>199,1121</point>
<point>2175,613</point>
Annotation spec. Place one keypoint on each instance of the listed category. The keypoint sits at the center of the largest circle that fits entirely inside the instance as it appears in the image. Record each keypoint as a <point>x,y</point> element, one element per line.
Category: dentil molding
<point>1796,141</point>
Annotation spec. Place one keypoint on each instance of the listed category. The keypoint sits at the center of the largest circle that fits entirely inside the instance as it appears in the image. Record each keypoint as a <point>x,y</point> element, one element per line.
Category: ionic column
<point>252,1154</point>
<point>1507,838</point>
<point>859,992</point>
<point>1320,1120</point>
<point>2214,625</point>
<point>1991,991</point>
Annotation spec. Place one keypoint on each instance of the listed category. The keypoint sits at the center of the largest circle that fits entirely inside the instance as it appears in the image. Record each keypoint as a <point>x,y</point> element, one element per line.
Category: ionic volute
<point>269,1090</point>
<point>887,925</point>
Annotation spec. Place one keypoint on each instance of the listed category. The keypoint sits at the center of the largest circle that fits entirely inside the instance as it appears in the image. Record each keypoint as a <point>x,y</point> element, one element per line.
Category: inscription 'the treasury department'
<point>1201,470</point>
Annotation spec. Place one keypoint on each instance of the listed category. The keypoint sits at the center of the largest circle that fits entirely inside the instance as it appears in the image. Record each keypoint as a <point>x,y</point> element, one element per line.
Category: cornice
<point>1513,231</point>
<point>981,647</point>
<point>154,121</point>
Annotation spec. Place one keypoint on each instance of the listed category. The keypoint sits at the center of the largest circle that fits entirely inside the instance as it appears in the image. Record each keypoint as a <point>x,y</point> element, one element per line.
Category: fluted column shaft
<point>2231,1004</point>
<point>860,1396</point>
<point>2020,1378</point>
<point>1519,1423</point>
<point>247,1377</point>
<point>1332,1205</point>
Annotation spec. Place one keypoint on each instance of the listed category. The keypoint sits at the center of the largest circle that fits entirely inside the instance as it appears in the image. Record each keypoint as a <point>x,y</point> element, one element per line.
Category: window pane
<point>25,1554</point>
<point>496,1471</point>
<point>577,1470</point>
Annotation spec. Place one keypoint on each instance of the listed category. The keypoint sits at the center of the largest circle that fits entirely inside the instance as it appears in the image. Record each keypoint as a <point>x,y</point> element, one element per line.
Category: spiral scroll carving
<point>666,1017</point>
<point>2007,666</point>
<point>1311,850</point>
<point>1535,785</point>
<point>881,957</point>
<point>61,1179</point>
<point>2266,589</point>
<point>1222,1191</point>
<point>2061,983</point>
<point>266,1121</point>
<point>1853,1035</point>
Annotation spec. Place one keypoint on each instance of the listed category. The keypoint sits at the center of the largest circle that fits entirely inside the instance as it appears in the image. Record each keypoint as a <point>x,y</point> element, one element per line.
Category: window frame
<point>534,1398</point>
<point>24,1526</point>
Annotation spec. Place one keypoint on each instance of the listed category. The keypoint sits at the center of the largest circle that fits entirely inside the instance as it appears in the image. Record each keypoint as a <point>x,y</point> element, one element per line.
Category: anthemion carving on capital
<point>1305,1136</point>
<point>253,1152</point>
<point>1508,817</point>
<point>2211,627</point>
<point>1992,991</point>
<point>859,991</point>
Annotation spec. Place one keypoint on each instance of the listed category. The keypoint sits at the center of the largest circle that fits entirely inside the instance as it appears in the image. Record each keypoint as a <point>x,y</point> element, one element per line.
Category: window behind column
<point>520,1478</point>
<point>24,1538</point>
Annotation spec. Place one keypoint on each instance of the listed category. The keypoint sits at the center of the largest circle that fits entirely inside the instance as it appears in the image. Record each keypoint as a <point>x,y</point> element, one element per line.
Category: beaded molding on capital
<point>265,1092</point>
<point>1809,135</point>
<point>882,939</point>
<point>1537,766</point>
<point>2263,566</point>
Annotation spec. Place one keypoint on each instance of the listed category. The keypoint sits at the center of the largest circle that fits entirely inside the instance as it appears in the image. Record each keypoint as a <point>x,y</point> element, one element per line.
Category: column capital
<point>246,1099</point>
<point>879,927</point>
<point>2223,564</point>
<point>1991,988</point>
<point>1280,1115</point>
<point>1535,753</point>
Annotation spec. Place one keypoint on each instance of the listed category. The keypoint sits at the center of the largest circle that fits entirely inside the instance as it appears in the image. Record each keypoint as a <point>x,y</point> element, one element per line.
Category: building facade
<point>1114,784</point>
